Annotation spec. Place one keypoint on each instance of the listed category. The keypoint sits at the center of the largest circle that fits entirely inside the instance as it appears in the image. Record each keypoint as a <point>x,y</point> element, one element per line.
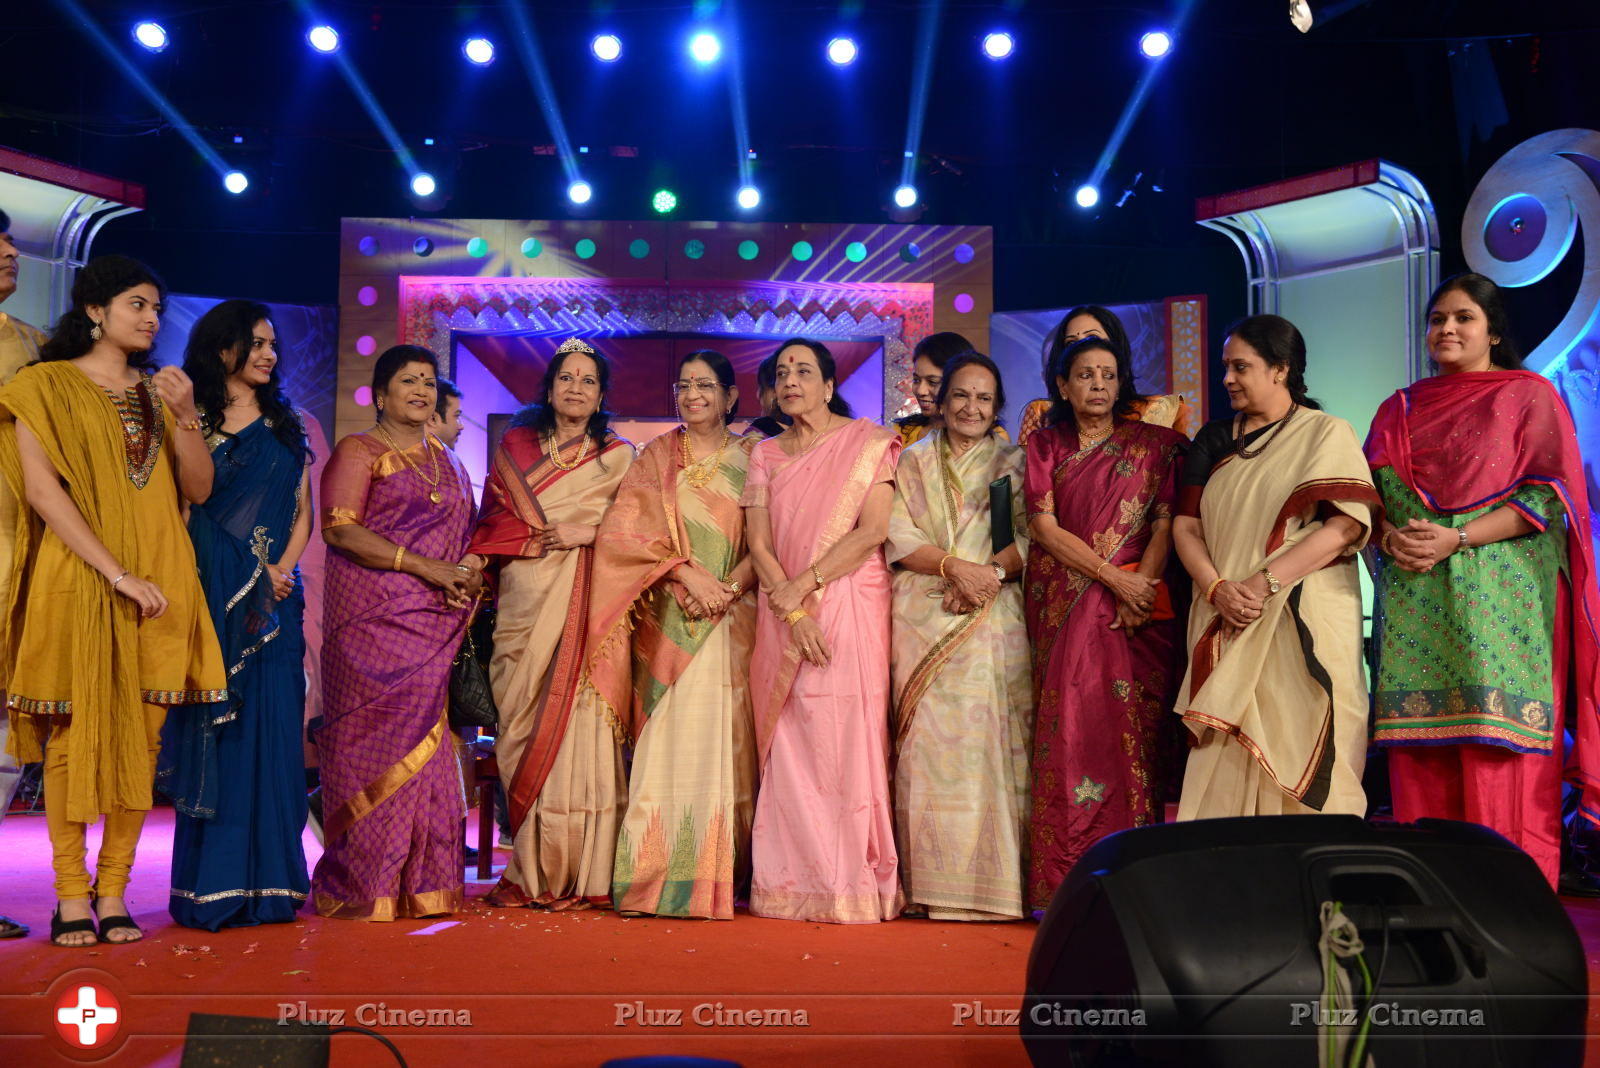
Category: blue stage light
<point>1155,44</point>
<point>423,185</point>
<point>607,47</point>
<point>749,197</point>
<point>235,182</point>
<point>842,51</point>
<point>905,196</point>
<point>323,38</point>
<point>999,45</point>
<point>479,50</point>
<point>1087,196</point>
<point>152,36</point>
<point>705,48</point>
<point>579,192</point>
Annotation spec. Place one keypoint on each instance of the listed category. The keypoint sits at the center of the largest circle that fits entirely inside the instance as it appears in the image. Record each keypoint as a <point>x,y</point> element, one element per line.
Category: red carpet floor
<point>562,989</point>
<point>566,989</point>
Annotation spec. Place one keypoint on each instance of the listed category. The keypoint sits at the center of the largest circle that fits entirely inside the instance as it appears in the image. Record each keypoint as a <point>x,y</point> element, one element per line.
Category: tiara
<point>573,344</point>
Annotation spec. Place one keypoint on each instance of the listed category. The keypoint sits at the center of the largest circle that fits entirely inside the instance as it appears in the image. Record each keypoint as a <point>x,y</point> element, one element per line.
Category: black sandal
<point>60,927</point>
<point>111,923</point>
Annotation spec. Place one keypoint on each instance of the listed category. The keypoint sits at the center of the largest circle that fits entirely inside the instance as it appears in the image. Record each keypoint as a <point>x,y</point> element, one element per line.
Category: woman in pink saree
<point>397,510</point>
<point>817,501</point>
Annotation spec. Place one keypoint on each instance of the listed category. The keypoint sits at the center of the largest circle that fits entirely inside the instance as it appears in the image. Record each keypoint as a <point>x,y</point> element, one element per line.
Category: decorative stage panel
<point>437,282</point>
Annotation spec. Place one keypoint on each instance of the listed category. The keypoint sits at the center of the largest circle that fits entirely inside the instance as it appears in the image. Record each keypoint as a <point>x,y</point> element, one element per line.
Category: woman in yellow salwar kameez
<point>107,625</point>
<point>671,555</point>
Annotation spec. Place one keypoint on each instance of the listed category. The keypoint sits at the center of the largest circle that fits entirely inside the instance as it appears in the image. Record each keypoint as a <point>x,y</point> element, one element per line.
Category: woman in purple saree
<point>397,510</point>
<point>1100,487</point>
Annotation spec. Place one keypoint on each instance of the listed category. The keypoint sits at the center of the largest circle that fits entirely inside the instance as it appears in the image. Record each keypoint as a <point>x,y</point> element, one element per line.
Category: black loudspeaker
<point>253,1042</point>
<point>1196,944</point>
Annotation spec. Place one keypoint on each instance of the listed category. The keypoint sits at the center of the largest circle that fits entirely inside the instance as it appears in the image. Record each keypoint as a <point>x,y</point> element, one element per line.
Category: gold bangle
<point>1096,576</point>
<point>193,424</point>
<point>794,617</point>
<point>1212,589</point>
<point>947,558</point>
<point>399,557</point>
<point>1383,542</point>
<point>816,573</point>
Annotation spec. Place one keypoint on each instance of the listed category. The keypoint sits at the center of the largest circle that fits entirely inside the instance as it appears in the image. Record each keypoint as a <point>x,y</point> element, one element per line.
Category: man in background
<point>19,345</point>
<point>445,422</point>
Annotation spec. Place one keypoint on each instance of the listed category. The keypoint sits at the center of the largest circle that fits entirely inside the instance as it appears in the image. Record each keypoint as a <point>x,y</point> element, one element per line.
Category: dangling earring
<point>95,333</point>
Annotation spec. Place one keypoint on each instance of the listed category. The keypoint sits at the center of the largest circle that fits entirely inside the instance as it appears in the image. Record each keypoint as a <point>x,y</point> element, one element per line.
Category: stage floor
<point>523,987</point>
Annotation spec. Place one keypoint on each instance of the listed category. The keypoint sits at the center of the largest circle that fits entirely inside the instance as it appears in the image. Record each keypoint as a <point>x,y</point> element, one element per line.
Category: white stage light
<point>607,47</point>
<point>323,38</point>
<point>999,45</point>
<point>1155,44</point>
<point>579,192</point>
<point>479,50</point>
<point>705,48</point>
<point>423,185</point>
<point>152,36</point>
<point>1087,196</point>
<point>235,182</point>
<point>749,197</point>
<point>905,196</point>
<point>842,51</point>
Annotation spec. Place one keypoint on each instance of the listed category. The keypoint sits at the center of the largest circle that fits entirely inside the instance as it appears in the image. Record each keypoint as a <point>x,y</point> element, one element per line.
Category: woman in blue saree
<point>235,770</point>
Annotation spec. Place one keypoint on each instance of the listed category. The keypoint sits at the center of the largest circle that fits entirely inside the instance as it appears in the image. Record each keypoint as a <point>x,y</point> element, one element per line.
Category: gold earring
<point>95,332</point>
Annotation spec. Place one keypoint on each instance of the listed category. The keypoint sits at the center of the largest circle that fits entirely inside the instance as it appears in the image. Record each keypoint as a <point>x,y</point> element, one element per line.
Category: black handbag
<point>471,700</point>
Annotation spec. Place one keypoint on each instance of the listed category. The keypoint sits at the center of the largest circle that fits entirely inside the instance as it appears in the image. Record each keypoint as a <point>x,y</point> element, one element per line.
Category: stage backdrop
<point>494,297</point>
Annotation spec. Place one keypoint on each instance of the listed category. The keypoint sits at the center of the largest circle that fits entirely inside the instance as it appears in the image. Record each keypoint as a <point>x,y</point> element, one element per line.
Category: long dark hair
<point>101,280</point>
<point>1116,335</point>
<point>541,414</point>
<point>939,349</point>
<point>1486,295</point>
<point>721,367</point>
<point>1280,343</point>
<point>830,372</point>
<point>1128,395</point>
<point>974,359</point>
<point>219,344</point>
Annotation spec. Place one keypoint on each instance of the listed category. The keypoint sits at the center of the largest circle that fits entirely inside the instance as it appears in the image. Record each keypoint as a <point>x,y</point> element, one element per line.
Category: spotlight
<point>1300,15</point>
<point>749,197</point>
<point>423,185</point>
<point>152,36</point>
<point>235,182</point>
<point>1087,196</point>
<point>705,48</point>
<point>479,50</point>
<point>842,51</point>
<point>323,38</point>
<point>607,47</point>
<point>999,45</point>
<point>665,202</point>
<point>905,196</point>
<point>579,192</point>
<point>1155,44</point>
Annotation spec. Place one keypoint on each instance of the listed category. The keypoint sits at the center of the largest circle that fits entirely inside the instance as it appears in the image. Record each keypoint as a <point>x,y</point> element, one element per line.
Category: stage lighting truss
<point>607,47</point>
<point>152,36</point>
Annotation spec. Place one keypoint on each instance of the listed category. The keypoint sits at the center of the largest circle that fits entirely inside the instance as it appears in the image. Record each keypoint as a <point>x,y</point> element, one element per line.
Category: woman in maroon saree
<point>397,510</point>
<point>1100,487</point>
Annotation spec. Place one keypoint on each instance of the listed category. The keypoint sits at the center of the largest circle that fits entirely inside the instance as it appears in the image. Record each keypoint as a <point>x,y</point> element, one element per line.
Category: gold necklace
<point>554,452</point>
<point>699,473</point>
<point>1089,441</point>
<point>434,495</point>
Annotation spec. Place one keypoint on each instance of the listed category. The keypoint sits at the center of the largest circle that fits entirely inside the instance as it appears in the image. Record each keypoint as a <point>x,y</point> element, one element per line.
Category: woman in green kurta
<point>1486,604</point>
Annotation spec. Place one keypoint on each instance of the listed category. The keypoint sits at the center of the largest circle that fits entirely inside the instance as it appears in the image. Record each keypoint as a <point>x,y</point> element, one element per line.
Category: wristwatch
<point>999,573</point>
<point>1273,585</point>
